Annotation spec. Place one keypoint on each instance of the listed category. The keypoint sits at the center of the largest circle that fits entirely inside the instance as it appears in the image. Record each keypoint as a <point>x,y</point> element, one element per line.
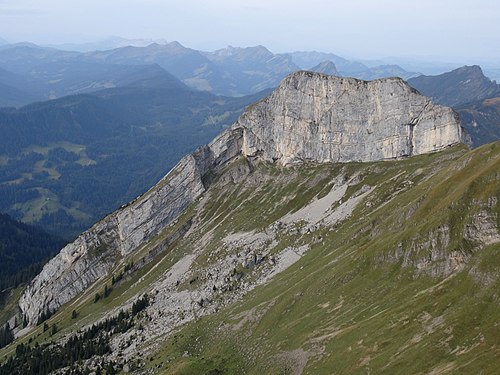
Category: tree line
<point>94,341</point>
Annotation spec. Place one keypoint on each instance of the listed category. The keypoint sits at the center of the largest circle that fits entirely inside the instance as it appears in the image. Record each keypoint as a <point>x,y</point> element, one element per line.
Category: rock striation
<point>309,117</point>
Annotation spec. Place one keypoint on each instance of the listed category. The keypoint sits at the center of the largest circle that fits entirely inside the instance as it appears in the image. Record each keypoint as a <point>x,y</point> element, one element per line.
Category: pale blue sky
<point>448,29</point>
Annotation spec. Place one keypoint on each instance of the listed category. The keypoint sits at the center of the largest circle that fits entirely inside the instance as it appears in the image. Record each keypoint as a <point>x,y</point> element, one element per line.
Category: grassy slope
<point>349,306</point>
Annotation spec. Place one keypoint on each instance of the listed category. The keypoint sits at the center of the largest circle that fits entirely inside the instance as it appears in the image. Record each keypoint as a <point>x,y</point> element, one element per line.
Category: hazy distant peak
<point>258,51</point>
<point>471,71</point>
<point>159,46</point>
<point>469,68</point>
<point>460,86</point>
<point>466,70</point>
<point>307,59</point>
<point>26,45</point>
<point>174,44</point>
<point>326,67</point>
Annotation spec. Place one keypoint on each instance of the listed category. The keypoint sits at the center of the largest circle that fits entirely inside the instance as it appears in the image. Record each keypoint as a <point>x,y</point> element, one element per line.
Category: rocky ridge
<point>461,86</point>
<point>310,117</point>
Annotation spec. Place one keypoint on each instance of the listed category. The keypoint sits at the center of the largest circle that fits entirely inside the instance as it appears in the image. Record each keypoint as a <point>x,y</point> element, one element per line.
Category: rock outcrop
<point>310,117</point>
<point>314,117</point>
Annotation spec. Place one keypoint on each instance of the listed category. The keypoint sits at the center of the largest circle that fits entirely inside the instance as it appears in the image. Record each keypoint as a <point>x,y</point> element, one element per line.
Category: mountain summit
<point>458,87</point>
<point>315,117</point>
<point>326,67</point>
<point>310,117</point>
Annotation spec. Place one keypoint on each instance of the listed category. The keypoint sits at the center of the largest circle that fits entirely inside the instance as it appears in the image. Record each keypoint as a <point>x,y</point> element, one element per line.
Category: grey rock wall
<point>314,117</point>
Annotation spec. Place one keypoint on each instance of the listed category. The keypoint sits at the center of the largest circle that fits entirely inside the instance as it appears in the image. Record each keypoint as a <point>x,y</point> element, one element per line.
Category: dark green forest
<point>23,251</point>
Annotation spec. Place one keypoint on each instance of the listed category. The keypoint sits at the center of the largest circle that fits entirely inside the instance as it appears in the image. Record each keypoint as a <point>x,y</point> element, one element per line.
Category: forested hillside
<point>23,248</point>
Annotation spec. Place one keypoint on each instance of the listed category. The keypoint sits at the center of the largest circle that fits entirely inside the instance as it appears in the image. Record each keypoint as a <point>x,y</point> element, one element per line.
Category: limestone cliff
<point>314,117</point>
<point>309,117</point>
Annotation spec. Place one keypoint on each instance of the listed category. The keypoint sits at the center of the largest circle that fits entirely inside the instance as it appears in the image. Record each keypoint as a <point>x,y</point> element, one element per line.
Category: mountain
<point>48,73</point>
<point>3,42</point>
<point>231,71</point>
<point>38,74</point>
<point>53,73</point>
<point>182,62</point>
<point>13,97</point>
<point>17,89</point>
<point>67,162</point>
<point>475,97</point>
<point>349,68</point>
<point>307,59</point>
<point>326,67</point>
<point>21,58</point>
<point>385,71</point>
<point>458,87</point>
<point>251,69</point>
<point>69,78</point>
<point>278,251</point>
<point>296,123</point>
<point>106,44</point>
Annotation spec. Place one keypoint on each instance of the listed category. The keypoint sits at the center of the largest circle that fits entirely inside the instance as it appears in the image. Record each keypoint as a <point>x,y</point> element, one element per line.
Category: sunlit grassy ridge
<point>349,306</point>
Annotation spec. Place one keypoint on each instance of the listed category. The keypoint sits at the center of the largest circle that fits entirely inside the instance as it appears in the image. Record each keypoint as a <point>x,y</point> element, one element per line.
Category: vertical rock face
<point>313,117</point>
<point>310,117</point>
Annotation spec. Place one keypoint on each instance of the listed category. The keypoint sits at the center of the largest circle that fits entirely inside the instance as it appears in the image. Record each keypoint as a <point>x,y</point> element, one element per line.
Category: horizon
<point>445,31</point>
<point>437,64</point>
<point>426,65</point>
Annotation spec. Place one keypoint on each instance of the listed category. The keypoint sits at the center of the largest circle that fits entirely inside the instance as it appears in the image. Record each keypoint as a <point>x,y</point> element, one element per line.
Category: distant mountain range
<point>308,59</point>
<point>34,74</point>
<point>349,68</point>
<point>106,44</point>
<point>251,69</point>
<point>30,72</point>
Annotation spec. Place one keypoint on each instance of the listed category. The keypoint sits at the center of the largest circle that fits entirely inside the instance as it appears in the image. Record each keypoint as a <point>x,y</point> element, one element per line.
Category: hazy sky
<point>448,29</point>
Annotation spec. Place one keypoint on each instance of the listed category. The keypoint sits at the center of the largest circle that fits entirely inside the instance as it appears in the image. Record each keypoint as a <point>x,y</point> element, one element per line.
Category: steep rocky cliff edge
<point>309,117</point>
